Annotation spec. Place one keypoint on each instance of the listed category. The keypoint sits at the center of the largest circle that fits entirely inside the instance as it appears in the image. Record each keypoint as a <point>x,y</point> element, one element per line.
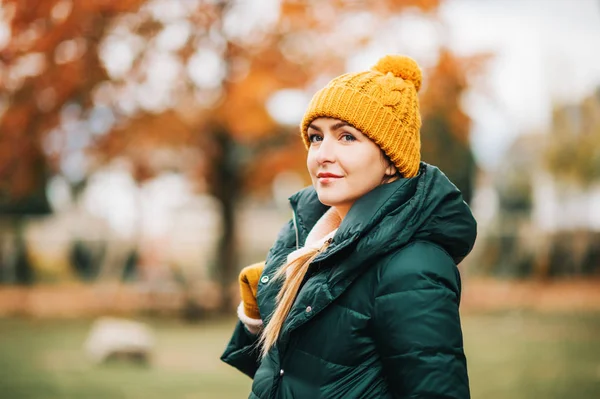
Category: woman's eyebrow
<point>311,126</point>
<point>340,125</point>
<point>336,126</point>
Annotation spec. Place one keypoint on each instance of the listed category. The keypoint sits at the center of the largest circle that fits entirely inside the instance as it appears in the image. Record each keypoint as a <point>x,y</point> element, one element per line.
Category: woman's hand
<point>248,310</point>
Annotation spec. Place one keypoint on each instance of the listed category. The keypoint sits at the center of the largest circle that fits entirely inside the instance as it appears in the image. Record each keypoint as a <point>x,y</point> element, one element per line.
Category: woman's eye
<point>314,138</point>
<point>348,137</point>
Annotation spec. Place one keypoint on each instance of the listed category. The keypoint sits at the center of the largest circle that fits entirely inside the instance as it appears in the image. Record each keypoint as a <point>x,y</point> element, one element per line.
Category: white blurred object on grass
<point>113,338</point>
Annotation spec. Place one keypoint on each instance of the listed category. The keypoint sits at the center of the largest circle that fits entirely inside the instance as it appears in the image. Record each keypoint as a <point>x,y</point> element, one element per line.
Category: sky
<point>545,52</point>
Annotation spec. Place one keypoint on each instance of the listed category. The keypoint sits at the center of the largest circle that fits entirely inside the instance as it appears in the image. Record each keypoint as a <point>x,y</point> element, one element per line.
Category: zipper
<point>295,228</point>
<point>323,254</point>
<point>326,244</point>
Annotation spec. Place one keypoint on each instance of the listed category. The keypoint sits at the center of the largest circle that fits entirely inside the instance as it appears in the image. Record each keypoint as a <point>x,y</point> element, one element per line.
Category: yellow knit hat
<point>382,103</point>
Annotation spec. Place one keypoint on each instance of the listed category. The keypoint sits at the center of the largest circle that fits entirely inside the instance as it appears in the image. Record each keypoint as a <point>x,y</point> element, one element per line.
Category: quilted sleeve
<point>416,324</point>
<point>242,352</point>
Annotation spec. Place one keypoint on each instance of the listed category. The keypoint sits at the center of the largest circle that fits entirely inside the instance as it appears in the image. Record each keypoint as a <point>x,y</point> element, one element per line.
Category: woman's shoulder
<point>417,262</point>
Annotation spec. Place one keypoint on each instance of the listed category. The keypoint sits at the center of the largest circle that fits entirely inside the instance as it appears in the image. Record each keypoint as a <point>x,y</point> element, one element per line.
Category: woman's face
<point>343,163</point>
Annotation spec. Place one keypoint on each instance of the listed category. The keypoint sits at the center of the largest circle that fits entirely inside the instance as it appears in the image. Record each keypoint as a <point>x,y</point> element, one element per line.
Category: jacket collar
<point>362,216</point>
<point>427,206</point>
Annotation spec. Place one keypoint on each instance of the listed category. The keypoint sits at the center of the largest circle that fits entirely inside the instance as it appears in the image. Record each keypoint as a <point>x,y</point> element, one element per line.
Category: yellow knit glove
<point>249,277</point>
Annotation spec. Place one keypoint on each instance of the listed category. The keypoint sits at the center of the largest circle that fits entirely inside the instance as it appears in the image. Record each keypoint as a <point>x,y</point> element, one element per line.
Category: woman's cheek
<point>310,164</point>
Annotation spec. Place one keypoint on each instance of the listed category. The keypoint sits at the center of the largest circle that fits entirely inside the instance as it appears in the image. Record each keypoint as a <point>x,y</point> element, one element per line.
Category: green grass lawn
<point>510,355</point>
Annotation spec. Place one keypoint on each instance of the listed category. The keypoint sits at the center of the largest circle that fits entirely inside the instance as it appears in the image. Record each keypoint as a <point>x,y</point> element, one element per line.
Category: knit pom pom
<point>402,67</point>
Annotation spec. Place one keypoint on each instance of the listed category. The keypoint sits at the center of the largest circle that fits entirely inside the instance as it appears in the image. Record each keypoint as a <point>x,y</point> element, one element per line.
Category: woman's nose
<point>326,151</point>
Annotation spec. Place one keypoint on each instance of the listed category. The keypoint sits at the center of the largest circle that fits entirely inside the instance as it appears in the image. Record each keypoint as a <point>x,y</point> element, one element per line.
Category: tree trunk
<point>226,188</point>
<point>22,269</point>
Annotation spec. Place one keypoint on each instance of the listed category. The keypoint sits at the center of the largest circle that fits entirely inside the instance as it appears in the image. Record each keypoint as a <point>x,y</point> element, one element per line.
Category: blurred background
<point>148,148</point>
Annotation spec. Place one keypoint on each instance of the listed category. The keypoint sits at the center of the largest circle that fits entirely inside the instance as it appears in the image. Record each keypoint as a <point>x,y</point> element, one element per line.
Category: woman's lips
<point>325,178</point>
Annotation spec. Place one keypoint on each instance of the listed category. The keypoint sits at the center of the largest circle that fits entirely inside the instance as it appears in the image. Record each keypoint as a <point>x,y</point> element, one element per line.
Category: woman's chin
<point>328,199</point>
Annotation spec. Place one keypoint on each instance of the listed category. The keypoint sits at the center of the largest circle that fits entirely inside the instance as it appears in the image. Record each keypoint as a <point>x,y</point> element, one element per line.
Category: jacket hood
<point>426,207</point>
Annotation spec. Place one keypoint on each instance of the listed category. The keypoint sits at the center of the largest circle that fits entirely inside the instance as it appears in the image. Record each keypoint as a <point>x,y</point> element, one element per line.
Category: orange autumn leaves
<point>68,35</point>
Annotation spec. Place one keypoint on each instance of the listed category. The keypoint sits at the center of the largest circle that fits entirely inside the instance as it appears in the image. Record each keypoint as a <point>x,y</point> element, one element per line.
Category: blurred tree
<point>50,60</point>
<point>446,127</point>
<point>573,150</point>
<point>542,174</point>
<point>572,156</point>
<point>150,80</point>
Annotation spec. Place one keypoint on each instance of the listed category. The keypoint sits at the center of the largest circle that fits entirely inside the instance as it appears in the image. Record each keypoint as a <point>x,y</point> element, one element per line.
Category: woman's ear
<point>391,170</point>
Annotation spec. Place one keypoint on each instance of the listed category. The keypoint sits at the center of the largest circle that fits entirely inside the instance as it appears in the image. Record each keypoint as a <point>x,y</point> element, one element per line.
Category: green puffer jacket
<point>377,315</point>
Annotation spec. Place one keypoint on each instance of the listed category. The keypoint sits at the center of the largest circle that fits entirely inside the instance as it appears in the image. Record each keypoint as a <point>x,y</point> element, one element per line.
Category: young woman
<point>359,295</point>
